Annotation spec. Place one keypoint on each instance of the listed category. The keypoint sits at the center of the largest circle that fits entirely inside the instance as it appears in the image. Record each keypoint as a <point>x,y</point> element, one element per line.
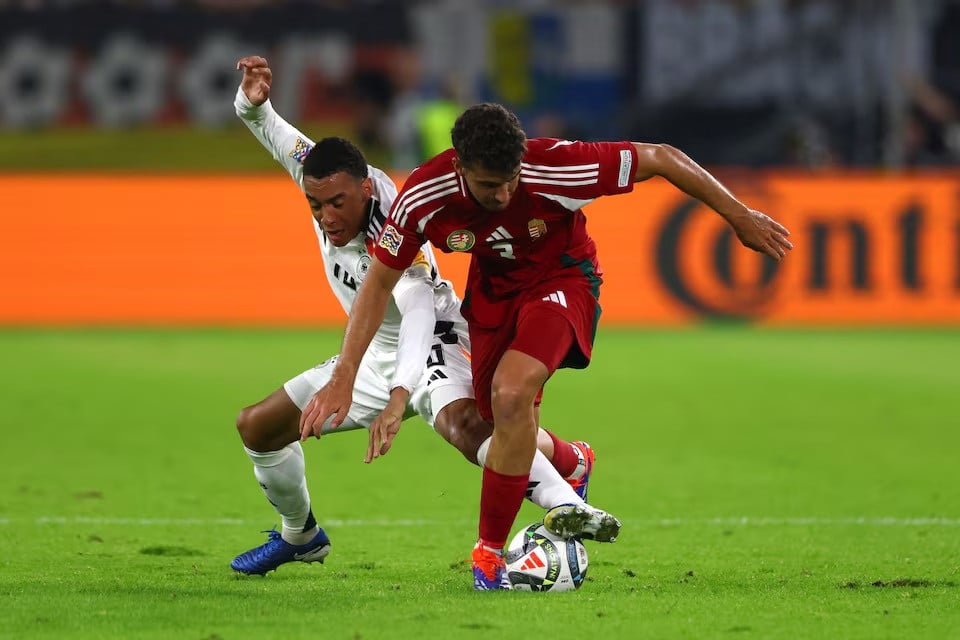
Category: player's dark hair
<point>333,155</point>
<point>489,136</point>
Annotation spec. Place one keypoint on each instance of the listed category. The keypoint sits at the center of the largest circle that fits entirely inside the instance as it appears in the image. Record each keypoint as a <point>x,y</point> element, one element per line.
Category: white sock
<point>546,488</point>
<point>283,480</point>
<point>482,452</point>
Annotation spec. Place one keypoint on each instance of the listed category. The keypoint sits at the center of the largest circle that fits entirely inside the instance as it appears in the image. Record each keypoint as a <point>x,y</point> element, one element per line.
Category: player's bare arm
<point>256,79</point>
<point>755,230</point>
<point>369,308</point>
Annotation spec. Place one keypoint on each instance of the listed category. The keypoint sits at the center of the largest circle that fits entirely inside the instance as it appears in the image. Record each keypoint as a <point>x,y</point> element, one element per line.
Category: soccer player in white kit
<point>417,363</point>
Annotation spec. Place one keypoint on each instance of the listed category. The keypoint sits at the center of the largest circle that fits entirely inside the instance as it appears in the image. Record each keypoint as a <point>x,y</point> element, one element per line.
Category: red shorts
<point>554,322</point>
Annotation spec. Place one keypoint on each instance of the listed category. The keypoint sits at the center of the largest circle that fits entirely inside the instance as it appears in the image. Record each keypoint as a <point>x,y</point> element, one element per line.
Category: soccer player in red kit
<point>532,292</point>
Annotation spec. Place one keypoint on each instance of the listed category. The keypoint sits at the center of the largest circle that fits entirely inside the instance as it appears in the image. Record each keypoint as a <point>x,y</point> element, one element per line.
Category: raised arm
<point>755,230</point>
<point>287,144</point>
<point>369,308</point>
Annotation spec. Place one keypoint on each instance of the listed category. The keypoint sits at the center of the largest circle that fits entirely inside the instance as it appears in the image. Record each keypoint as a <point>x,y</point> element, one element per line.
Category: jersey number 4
<point>342,275</point>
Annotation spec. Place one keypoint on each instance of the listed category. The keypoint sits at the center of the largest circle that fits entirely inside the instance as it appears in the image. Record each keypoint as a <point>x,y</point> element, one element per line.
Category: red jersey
<point>540,235</point>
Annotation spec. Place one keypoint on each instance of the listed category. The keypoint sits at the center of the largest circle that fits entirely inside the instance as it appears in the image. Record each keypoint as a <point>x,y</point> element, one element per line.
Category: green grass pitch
<point>772,484</point>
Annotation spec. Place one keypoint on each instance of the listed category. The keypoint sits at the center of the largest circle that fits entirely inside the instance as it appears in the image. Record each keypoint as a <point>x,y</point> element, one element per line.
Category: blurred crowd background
<point>753,83</point>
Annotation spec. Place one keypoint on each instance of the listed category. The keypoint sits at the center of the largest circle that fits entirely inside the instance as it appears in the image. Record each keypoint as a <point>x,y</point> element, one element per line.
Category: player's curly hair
<point>333,155</point>
<point>489,136</point>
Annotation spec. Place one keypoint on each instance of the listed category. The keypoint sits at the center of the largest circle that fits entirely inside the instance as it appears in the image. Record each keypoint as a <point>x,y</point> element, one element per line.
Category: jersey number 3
<point>505,249</point>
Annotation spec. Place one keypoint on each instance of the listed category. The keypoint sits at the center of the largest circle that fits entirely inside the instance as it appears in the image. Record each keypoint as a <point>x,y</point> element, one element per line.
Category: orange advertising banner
<point>240,250</point>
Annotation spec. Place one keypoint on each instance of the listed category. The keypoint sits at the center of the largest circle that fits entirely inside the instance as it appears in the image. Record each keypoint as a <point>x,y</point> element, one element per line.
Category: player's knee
<point>250,427</point>
<point>512,400</point>
<point>460,424</point>
<point>245,423</point>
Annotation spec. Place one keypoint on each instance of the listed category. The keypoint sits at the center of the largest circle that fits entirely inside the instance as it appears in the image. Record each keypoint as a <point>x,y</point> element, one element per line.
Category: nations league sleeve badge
<point>391,240</point>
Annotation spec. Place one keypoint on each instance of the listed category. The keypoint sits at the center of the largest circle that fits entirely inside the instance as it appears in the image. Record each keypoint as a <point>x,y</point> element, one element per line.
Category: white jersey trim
<point>425,187</point>
<point>560,168</point>
<point>448,189</point>
<point>566,183</point>
<point>427,218</point>
<point>570,175</point>
<point>572,204</point>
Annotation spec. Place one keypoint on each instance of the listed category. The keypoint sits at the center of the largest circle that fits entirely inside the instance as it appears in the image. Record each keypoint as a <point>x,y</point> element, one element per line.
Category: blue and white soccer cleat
<point>584,468</point>
<point>489,571</point>
<point>582,521</point>
<point>277,551</point>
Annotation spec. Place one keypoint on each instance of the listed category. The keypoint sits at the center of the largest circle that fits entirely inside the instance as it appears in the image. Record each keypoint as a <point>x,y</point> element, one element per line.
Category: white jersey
<point>346,266</point>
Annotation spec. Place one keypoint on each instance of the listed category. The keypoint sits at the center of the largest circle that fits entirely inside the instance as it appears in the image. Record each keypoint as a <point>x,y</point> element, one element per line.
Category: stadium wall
<point>240,251</point>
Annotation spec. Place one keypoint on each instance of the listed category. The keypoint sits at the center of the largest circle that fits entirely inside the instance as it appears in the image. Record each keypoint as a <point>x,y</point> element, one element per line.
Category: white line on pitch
<point>738,521</point>
<point>761,521</point>
<point>208,522</point>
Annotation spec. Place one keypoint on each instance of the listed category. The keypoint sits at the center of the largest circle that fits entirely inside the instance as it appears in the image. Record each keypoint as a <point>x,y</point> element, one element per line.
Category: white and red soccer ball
<point>538,560</point>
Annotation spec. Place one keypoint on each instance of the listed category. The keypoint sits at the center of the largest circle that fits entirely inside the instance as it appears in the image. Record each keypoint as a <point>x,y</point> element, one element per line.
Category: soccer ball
<point>538,560</point>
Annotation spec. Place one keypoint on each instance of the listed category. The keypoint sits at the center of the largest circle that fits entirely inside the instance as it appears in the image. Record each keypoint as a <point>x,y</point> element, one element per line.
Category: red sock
<point>565,458</point>
<point>500,500</point>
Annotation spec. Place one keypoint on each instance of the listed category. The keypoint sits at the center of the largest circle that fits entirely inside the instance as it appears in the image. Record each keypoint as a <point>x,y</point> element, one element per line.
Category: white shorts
<point>446,378</point>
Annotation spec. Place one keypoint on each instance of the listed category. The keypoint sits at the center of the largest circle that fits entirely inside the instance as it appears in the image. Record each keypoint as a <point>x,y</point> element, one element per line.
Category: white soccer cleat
<point>582,521</point>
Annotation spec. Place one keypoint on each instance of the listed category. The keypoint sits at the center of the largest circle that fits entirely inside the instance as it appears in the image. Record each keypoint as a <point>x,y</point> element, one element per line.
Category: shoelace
<point>258,553</point>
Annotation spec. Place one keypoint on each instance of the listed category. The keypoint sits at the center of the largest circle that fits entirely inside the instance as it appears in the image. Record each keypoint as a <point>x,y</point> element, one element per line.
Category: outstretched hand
<point>762,233</point>
<point>330,401</point>
<point>256,78</point>
<point>385,426</point>
<point>383,430</point>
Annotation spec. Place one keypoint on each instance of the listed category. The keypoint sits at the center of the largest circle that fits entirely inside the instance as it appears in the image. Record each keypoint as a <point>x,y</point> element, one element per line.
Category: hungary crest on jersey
<point>461,240</point>
<point>537,228</point>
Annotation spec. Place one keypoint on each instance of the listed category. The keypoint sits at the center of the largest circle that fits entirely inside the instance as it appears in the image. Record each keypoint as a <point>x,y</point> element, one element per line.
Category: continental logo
<point>870,249</point>
<point>702,265</point>
<point>857,258</point>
